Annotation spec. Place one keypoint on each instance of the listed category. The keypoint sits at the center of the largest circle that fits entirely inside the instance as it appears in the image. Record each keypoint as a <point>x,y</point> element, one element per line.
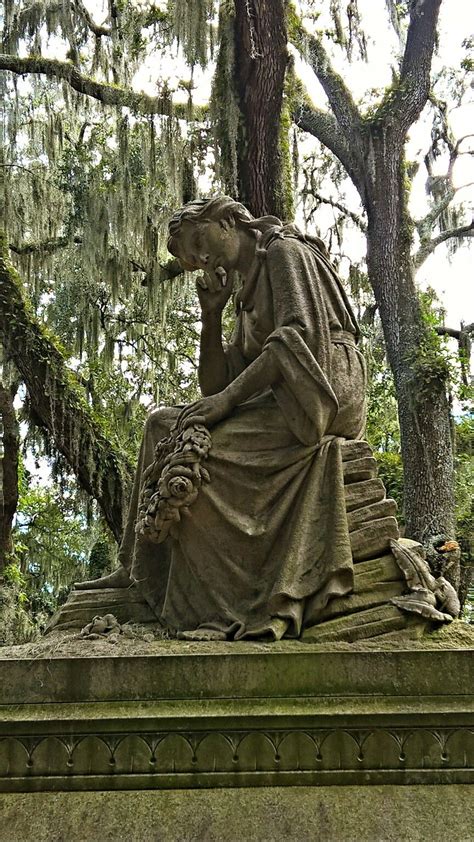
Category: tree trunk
<point>8,471</point>
<point>260,63</point>
<point>419,371</point>
<point>59,404</point>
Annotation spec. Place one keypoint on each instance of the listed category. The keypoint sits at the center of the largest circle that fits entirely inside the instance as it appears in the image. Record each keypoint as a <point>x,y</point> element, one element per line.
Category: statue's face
<point>212,246</point>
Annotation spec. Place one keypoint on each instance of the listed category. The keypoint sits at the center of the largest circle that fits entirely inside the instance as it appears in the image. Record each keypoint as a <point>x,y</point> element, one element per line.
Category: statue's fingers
<point>201,282</point>
<point>213,282</point>
<point>180,419</point>
<point>185,413</point>
<point>193,419</point>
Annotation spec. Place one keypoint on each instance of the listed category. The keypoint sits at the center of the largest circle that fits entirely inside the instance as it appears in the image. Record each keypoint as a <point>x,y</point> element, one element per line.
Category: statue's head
<point>206,233</point>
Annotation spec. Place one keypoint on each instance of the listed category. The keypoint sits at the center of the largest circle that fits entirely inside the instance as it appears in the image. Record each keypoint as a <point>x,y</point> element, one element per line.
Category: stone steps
<point>366,612</point>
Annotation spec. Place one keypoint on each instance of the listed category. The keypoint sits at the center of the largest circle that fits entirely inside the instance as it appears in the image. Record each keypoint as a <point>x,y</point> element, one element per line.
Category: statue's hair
<point>212,210</point>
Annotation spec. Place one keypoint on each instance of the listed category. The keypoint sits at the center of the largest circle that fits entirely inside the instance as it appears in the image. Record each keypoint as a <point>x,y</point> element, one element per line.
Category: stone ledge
<point>236,716</point>
<point>237,670</point>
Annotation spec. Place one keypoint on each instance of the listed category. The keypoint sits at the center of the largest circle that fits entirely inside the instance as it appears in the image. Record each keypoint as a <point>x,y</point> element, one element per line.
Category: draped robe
<point>266,545</point>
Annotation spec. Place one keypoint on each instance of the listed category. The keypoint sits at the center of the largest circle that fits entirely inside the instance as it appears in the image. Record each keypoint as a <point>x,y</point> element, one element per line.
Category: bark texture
<point>261,59</point>
<point>59,406</point>
<point>8,471</point>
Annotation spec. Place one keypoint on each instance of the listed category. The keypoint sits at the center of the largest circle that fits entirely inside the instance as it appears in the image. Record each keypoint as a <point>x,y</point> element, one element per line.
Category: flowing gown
<point>266,543</point>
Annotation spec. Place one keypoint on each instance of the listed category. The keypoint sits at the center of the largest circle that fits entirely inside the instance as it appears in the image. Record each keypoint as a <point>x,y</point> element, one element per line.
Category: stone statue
<point>262,543</point>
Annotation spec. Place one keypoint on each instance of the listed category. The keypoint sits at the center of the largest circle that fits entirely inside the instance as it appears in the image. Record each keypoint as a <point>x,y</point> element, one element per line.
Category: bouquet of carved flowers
<point>172,482</point>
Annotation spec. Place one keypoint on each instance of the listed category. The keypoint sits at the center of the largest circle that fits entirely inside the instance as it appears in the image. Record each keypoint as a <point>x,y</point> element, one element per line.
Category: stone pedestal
<point>205,736</point>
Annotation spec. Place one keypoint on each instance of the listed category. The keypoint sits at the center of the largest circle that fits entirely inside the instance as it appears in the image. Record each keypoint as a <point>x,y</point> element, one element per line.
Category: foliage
<point>52,536</point>
<point>16,624</point>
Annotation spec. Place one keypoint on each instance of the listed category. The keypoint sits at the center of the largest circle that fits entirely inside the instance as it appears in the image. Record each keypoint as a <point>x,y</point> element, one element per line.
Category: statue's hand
<point>207,411</point>
<point>213,292</point>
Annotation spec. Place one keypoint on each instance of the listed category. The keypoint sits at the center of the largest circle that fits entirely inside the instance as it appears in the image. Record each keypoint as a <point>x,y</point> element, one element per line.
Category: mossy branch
<point>338,94</point>
<point>59,403</point>
<point>87,17</point>
<point>139,103</point>
<point>428,246</point>
<point>167,271</point>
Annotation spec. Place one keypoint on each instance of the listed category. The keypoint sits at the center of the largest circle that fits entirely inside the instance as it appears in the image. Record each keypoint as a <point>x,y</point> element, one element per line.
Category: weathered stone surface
<point>358,470</point>
<point>362,625</point>
<point>355,450</point>
<point>381,569</point>
<point>371,540</point>
<point>361,494</point>
<point>359,517</point>
<point>268,814</point>
<point>237,715</point>
<point>125,604</point>
<point>376,593</point>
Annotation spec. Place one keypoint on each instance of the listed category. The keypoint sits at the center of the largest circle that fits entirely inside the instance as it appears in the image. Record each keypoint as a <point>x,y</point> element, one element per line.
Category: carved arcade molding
<point>240,757</point>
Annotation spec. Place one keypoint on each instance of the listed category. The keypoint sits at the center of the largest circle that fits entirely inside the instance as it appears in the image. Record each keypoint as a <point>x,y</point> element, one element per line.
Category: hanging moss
<point>193,21</point>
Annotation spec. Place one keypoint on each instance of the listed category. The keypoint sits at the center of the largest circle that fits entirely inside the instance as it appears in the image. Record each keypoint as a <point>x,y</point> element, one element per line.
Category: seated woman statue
<point>264,544</point>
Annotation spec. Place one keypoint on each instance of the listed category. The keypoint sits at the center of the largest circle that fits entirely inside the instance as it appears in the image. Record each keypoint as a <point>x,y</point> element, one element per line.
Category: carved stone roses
<point>172,482</point>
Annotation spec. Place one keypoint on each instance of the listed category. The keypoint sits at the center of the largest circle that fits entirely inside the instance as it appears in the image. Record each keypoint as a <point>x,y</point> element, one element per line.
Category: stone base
<point>236,714</point>
<point>238,741</point>
<point>278,814</point>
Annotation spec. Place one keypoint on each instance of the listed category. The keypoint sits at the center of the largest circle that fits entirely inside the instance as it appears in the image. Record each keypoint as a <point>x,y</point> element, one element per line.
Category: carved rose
<point>179,487</point>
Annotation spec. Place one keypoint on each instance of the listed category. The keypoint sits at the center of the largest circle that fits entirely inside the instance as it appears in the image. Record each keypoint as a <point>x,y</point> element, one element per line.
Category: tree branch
<point>338,94</point>
<point>324,127</point>
<point>332,202</point>
<point>46,247</point>
<point>429,246</point>
<point>140,103</point>
<point>169,270</point>
<point>424,226</point>
<point>58,402</point>
<point>409,97</point>
<point>78,5</point>
<point>441,330</point>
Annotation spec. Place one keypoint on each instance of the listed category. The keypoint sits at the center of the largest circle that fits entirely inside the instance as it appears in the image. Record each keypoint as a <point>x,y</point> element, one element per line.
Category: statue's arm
<point>255,379</point>
<point>212,371</point>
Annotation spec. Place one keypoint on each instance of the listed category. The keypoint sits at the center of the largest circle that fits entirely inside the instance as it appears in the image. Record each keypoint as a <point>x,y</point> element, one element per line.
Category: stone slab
<point>374,594</point>
<point>125,604</point>
<point>363,624</point>
<point>364,493</point>
<point>351,450</point>
<point>381,569</point>
<point>374,538</point>
<point>358,518</point>
<point>358,470</point>
<point>277,814</point>
<point>231,670</point>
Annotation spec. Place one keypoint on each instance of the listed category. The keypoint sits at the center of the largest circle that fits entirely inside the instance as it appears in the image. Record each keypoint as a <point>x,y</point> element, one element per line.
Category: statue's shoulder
<point>290,240</point>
